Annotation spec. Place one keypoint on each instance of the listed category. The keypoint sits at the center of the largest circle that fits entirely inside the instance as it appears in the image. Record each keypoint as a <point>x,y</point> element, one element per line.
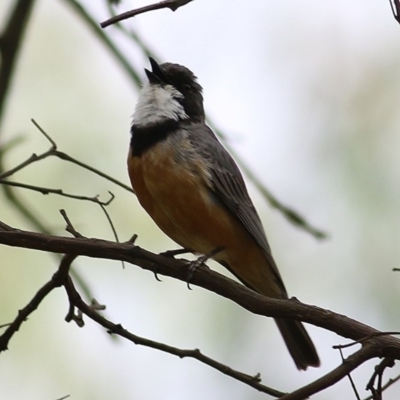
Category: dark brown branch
<point>389,383</point>
<point>173,5</point>
<point>117,329</point>
<point>205,278</point>
<point>378,346</point>
<point>376,392</point>
<point>350,364</point>
<point>56,281</point>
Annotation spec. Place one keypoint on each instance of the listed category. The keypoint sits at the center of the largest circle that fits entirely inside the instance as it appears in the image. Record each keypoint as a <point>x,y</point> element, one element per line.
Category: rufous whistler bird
<point>194,191</point>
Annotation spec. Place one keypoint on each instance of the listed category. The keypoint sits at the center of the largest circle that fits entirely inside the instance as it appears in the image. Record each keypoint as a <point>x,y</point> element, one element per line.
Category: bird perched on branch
<point>193,190</point>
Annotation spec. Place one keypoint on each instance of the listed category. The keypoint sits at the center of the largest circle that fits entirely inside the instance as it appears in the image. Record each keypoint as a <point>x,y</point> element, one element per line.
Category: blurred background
<point>307,94</point>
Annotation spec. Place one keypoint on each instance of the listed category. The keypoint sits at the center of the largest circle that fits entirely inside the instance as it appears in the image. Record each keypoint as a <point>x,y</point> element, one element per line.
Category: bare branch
<point>102,206</point>
<point>253,381</point>
<point>60,192</point>
<point>353,385</point>
<point>389,346</point>
<point>56,281</point>
<point>173,5</point>
<point>389,383</point>
<point>350,364</point>
<point>376,391</point>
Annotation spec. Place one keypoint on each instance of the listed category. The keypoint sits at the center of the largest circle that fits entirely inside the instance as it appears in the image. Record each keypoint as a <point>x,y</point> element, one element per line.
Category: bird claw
<point>199,262</point>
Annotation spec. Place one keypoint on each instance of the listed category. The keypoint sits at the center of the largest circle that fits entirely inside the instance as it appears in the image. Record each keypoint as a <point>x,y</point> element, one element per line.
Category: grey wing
<point>228,186</point>
<point>228,183</point>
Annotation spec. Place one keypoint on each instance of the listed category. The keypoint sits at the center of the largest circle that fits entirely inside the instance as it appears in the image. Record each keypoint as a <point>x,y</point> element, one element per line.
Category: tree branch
<point>350,364</point>
<point>204,277</point>
<point>173,5</point>
<point>253,381</point>
<point>60,192</point>
<point>56,281</point>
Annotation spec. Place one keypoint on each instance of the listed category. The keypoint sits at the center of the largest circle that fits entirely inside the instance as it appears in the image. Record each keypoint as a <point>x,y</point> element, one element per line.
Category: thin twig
<point>173,5</point>
<point>364,339</point>
<point>70,228</point>
<point>102,206</point>
<point>117,329</point>
<point>350,378</point>
<point>60,192</point>
<point>351,363</point>
<point>389,383</point>
<point>44,133</point>
<point>376,392</point>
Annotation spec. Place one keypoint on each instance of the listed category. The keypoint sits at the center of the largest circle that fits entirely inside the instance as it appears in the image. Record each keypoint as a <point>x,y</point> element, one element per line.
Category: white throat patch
<point>158,104</point>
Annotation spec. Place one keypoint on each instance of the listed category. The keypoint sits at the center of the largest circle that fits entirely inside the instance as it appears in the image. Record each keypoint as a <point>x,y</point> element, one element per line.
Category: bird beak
<point>156,75</point>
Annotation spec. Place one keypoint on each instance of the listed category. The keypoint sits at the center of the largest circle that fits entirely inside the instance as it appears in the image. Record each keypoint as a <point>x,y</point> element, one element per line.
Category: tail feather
<point>298,343</point>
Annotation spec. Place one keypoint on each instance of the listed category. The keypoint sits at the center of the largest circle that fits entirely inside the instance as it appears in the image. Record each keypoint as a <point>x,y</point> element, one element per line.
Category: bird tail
<point>298,343</point>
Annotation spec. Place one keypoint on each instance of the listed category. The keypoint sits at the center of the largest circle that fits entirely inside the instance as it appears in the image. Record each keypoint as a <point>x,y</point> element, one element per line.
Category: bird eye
<point>187,87</point>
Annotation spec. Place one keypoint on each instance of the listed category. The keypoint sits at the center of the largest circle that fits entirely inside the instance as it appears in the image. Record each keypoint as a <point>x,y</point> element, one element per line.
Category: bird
<point>193,190</point>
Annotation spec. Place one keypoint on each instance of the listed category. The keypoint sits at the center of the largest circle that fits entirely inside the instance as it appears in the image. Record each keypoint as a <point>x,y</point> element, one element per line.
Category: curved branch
<point>205,278</point>
<point>173,5</point>
<point>349,364</point>
<point>253,381</point>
